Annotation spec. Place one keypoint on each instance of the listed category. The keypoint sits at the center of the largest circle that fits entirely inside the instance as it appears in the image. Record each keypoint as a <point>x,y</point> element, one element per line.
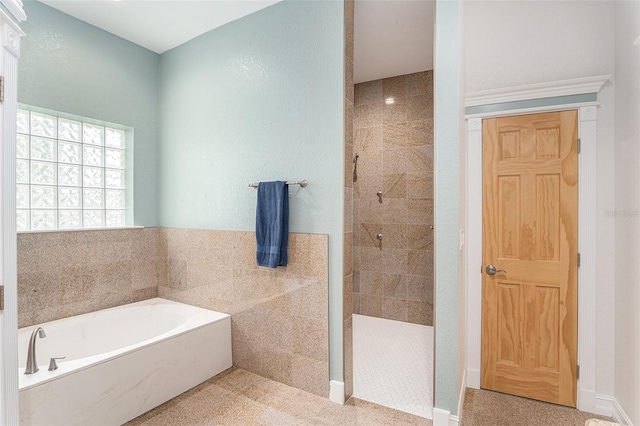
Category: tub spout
<point>32,364</point>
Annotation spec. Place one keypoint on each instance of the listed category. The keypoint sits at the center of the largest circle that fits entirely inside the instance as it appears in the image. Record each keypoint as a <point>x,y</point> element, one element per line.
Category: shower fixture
<point>355,167</point>
<point>32,364</point>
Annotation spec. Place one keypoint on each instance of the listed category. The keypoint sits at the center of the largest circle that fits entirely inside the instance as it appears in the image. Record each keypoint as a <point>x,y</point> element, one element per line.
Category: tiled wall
<point>279,317</point>
<point>347,294</point>
<point>393,278</point>
<point>62,274</point>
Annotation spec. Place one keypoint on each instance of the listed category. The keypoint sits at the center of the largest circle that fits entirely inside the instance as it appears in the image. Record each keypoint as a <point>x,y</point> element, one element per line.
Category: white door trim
<point>10,35</point>
<point>551,89</point>
<point>587,116</point>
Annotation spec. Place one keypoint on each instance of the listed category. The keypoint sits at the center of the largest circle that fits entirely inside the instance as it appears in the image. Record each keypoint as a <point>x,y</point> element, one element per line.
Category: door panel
<point>530,198</point>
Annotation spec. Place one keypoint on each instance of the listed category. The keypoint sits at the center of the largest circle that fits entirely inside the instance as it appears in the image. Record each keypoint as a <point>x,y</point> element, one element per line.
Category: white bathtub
<point>121,362</point>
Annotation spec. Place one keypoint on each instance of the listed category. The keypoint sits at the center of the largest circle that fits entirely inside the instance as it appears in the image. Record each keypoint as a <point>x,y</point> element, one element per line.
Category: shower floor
<point>393,364</point>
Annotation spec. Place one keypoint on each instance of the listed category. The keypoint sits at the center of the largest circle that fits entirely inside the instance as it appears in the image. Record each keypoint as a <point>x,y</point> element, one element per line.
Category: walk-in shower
<point>393,242</point>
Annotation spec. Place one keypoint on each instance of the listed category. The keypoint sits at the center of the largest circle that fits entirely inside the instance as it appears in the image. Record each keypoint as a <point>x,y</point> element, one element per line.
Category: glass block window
<point>69,174</point>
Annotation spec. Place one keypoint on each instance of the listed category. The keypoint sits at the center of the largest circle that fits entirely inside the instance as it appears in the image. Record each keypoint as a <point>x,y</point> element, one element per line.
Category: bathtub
<point>120,362</point>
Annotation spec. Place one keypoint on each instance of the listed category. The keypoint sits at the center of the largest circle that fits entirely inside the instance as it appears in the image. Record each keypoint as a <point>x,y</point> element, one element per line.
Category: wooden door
<point>530,230</point>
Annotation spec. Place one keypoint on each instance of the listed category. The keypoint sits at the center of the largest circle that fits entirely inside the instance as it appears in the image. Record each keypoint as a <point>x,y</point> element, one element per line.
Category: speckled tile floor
<point>487,408</point>
<point>237,397</point>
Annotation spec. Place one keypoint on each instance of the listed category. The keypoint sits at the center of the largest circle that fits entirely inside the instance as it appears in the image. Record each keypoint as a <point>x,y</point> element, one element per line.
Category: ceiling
<point>158,25</point>
<point>392,37</point>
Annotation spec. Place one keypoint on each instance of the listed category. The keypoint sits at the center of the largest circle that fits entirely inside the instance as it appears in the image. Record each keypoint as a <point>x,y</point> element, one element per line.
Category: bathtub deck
<point>110,376</point>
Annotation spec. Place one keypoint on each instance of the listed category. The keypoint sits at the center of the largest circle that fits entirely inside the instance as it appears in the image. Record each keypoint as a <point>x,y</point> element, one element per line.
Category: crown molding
<point>576,86</point>
<point>16,8</point>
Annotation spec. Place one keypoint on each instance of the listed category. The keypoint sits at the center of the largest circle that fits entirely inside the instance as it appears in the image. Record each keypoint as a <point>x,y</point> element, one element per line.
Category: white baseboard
<point>441,417</point>
<point>604,405</point>
<point>586,400</point>
<point>473,378</point>
<point>336,391</point>
<point>610,407</point>
<point>454,420</point>
<point>619,415</point>
<point>444,417</point>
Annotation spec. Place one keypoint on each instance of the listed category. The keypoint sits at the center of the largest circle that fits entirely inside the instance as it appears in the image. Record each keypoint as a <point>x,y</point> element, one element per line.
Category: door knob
<point>491,270</point>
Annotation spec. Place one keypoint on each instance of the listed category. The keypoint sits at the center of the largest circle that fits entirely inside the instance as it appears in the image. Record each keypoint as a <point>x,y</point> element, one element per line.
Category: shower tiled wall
<point>393,125</point>
<point>62,274</point>
<point>279,317</point>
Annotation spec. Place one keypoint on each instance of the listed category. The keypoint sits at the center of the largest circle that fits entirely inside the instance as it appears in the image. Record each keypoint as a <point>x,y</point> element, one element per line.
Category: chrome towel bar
<point>302,183</point>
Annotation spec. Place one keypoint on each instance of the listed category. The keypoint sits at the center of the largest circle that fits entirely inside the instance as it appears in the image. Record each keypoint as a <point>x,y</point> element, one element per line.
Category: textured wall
<point>62,274</point>
<point>393,278</point>
<point>70,66</point>
<point>447,118</point>
<point>278,316</point>
<point>259,99</point>
<point>627,222</point>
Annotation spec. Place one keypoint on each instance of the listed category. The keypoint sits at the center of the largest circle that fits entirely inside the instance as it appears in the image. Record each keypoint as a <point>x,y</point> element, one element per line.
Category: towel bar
<point>302,183</point>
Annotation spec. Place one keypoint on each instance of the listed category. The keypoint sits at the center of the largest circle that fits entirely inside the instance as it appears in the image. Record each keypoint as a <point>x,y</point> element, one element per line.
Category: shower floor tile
<point>393,364</point>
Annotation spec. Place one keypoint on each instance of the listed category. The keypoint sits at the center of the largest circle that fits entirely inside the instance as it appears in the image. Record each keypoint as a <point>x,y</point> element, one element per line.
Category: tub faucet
<point>32,364</point>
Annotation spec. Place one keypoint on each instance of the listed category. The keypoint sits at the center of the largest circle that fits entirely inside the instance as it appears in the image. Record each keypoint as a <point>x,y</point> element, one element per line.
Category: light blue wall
<point>258,99</point>
<point>446,102</point>
<point>73,67</point>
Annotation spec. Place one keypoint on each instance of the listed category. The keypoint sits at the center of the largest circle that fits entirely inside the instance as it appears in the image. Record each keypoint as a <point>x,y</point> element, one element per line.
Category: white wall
<point>2,381</point>
<point>521,42</point>
<point>627,176</point>
<point>524,42</point>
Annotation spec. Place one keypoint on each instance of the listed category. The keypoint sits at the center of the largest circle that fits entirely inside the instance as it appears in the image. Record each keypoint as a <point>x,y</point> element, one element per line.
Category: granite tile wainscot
<point>69,273</point>
<point>279,316</point>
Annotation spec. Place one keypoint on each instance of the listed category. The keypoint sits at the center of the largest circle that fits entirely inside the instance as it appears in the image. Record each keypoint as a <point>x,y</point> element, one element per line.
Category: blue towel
<point>272,224</point>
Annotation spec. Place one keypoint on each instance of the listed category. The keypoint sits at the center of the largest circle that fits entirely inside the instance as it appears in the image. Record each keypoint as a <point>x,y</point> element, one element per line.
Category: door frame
<point>10,35</point>
<point>547,97</point>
